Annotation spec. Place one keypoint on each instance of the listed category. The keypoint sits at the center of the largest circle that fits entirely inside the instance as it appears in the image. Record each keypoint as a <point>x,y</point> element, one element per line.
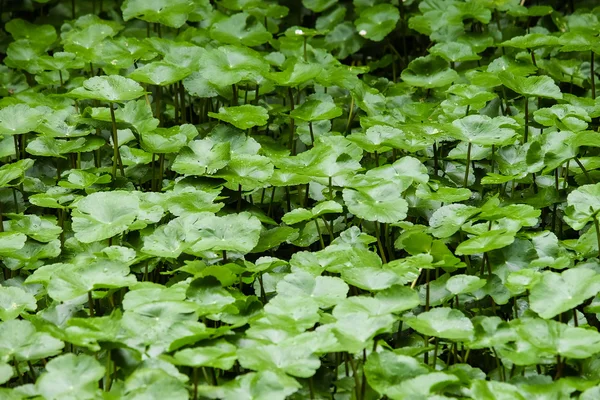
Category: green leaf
<point>228,65</point>
<point>240,28</point>
<point>556,293</point>
<point>173,13</point>
<point>317,107</point>
<point>360,319</point>
<point>486,131</point>
<point>154,383</point>
<point>583,205</point>
<point>20,118</point>
<point>459,284</point>
<point>494,390</point>
<point>41,35</point>
<point>168,140</point>
<point>11,242</point>
<point>429,72</point>
<point>564,116</point>
<point>103,215</point>
<point>293,360</point>
<point>318,5</point>
<point>292,313</point>
<point>260,385</point>
<point>539,341</point>
<point>111,88</point>
<point>11,174</point>
<point>327,291</point>
<point>242,117</point>
<point>302,214</point>
<point>70,281</point>
<point>6,372</point>
<point>377,22</point>
<point>533,86</point>
<point>454,52</point>
<point>386,371</point>
<point>235,232</point>
<point>71,376</point>
<point>202,157</point>
<point>490,240</point>
<point>219,354</point>
<point>15,301</point>
<point>443,322</point>
<point>531,41</point>
<point>159,73</point>
<point>209,295</point>
<point>21,341</point>
<point>381,202</point>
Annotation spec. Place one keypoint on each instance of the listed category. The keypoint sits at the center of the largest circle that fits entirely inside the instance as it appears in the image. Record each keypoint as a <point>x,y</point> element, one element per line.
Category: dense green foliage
<point>246,199</point>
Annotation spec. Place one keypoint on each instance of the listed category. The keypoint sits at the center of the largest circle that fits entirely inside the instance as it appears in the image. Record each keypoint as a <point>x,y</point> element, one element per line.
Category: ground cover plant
<point>316,199</point>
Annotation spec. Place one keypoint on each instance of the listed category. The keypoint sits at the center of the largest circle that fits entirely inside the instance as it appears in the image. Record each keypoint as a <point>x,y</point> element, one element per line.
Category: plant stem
<point>350,116</point>
<point>363,385</point>
<point>115,138</point>
<point>593,75</point>
<point>427,291</point>
<point>585,172</point>
<point>263,294</point>
<point>182,102</point>
<point>533,57</point>
<point>161,170</point>
<point>91,303</point>
<point>292,129</point>
<point>597,226</point>
<point>239,200</point>
<point>435,353</point>
<point>153,184</point>
<point>234,100</point>
<point>17,151</point>
<point>305,56</point>
<point>466,181</point>
<point>107,381</point>
<point>312,135</point>
<point>195,383</point>
<point>526,133</point>
<point>354,375</point>
<point>379,243</point>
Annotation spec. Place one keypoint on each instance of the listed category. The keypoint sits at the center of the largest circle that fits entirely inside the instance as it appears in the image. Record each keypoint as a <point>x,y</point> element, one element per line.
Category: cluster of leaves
<point>251,199</point>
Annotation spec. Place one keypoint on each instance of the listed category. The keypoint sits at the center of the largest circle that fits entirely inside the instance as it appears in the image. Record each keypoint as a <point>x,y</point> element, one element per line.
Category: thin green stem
<point>90,303</point>
<point>585,172</point>
<point>107,380</point>
<point>435,353</point>
<point>195,383</point>
<point>380,243</point>
<point>593,74</point>
<point>526,133</point>
<point>467,166</point>
<point>597,226</point>
<point>292,123</point>
<point>305,54</point>
<point>115,139</point>
<point>321,241</point>
<point>350,116</point>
